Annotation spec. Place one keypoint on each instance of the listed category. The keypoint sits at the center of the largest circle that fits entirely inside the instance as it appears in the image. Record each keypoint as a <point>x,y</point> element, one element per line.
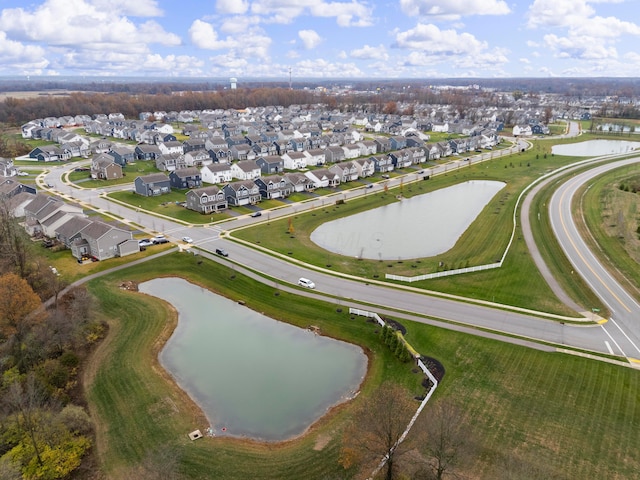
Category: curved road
<point>622,331</point>
<point>350,290</point>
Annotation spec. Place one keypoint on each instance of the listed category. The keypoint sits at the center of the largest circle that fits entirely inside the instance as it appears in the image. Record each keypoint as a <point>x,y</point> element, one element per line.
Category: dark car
<point>256,214</point>
<point>221,252</point>
<point>159,240</point>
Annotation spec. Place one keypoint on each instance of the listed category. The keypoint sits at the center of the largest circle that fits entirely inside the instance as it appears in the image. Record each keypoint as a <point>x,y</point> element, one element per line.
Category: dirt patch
<point>322,441</point>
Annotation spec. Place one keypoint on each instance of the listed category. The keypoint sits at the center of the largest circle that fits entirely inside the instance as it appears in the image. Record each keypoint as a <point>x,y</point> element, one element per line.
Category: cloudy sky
<point>320,38</point>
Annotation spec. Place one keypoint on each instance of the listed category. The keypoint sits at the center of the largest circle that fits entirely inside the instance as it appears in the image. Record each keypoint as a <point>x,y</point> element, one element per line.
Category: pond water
<point>420,226</point>
<point>595,148</point>
<point>251,375</point>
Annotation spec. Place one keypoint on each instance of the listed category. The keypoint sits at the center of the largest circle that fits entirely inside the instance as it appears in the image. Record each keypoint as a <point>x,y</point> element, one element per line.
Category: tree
<point>442,436</point>
<point>376,428</point>
<point>17,300</point>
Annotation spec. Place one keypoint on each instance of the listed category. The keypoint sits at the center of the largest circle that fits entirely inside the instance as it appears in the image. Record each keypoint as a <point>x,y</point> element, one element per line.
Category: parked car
<point>187,239</point>
<point>145,242</point>
<point>385,176</point>
<point>158,239</point>
<point>256,214</point>
<point>305,282</point>
<point>221,252</point>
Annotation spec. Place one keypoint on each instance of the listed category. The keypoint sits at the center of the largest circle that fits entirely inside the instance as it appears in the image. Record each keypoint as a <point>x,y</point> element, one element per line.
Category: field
<point>559,416</point>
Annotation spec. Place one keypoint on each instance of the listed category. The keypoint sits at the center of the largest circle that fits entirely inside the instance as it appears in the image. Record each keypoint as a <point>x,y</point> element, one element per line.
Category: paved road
<point>621,335</point>
<point>349,290</point>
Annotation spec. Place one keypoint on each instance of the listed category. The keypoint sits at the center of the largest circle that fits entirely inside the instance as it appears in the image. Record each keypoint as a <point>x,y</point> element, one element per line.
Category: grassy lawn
<point>570,417</point>
<point>483,242</point>
<point>611,215</point>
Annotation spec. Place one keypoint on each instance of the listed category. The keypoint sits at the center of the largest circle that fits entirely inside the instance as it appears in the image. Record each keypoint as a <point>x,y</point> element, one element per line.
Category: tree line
<point>45,431</point>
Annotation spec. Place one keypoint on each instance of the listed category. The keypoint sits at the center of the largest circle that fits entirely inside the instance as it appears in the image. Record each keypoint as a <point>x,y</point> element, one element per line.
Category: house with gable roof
<point>216,173</point>
<point>245,170</point>
<point>274,186</point>
<point>152,184</point>
<point>206,200</point>
<point>242,192</point>
<point>182,178</point>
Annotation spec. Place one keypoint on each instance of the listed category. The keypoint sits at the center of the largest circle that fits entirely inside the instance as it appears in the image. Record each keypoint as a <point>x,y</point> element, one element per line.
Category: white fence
<point>423,367</point>
<point>446,273</point>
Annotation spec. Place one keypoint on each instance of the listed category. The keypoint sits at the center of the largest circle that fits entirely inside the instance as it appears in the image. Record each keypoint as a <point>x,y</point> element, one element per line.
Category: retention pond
<point>253,376</point>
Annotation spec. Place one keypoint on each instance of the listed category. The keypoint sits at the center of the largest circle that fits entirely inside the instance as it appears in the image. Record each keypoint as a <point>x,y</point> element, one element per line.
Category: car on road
<point>305,282</point>
<point>23,174</point>
<point>159,239</point>
<point>187,239</point>
<point>369,186</point>
<point>145,242</point>
<point>222,252</point>
<point>385,176</point>
<point>256,214</point>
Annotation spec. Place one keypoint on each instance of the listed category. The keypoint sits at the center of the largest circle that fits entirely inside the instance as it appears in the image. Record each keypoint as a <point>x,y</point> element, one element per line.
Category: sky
<point>351,39</point>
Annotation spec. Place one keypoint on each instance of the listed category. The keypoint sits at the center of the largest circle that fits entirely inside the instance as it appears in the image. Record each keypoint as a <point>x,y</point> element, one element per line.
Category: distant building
<point>234,83</point>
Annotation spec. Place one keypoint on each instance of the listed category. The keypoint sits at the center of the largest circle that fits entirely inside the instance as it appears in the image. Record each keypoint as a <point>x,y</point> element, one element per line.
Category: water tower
<point>234,83</point>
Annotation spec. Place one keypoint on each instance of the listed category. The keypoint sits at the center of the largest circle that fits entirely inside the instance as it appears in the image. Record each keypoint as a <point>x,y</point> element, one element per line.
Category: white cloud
<point>309,38</point>
<point>578,47</point>
<point>235,7</point>
<point>558,13</point>
<point>17,57</point>
<point>80,24</point>
<point>353,13</point>
<point>453,9</point>
<point>370,53</point>
<point>430,39</point>
<point>322,68</point>
<point>137,8</point>
<point>253,44</point>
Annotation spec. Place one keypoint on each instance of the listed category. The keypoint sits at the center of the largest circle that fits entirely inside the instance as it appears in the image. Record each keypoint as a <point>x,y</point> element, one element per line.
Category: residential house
<point>171,147</point>
<point>274,186</point>
<point>322,178</point>
<point>334,154</point>
<point>400,159</point>
<point>397,142</point>
<point>168,162</point>
<point>44,207</point>
<point>152,184</point>
<point>102,241</point>
<point>365,167</point>
<point>316,156</point>
<point>294,160</point>
<point>299,182</point>
<point>348,171</point>
<point>245,170</point>
<point>383,144</point>
<point>270,164</point>
<point>242,192</point>
<point>368,147</point>
<point>197,158</point>
<point>185,178</point>
<point>122,154</point>
<point>242,152</point>
<point>49,153</point>
<point>382,163</point>
<point>216,173</point>
<point>351,151</point>
<point>206,200</point>
<point>147,152</point>
<point>104,167</point>
<point>7,168</point>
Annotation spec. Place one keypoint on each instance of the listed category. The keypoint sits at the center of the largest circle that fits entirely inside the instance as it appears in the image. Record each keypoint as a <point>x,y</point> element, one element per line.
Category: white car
<point>187,239</point>
<point>145,242</point>
<point>305,282</point>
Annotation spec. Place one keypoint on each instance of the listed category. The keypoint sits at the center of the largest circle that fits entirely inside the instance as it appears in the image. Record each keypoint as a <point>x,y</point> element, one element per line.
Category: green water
<point>252,375</point>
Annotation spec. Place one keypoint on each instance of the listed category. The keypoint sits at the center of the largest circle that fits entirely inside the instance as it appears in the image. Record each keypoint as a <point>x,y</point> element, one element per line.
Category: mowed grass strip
<point>139,409</point>
<point>518,282</point>
<point>567,417</point>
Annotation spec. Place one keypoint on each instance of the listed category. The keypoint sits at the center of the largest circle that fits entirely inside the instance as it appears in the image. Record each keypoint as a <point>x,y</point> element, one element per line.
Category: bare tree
<point>376,428</point>
<point>443,437</point>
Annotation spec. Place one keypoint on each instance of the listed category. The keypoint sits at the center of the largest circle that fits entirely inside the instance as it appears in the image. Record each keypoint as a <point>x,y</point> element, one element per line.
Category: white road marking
<point>613,340</point>
<point>626,336</point>
<point>608,347</point>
